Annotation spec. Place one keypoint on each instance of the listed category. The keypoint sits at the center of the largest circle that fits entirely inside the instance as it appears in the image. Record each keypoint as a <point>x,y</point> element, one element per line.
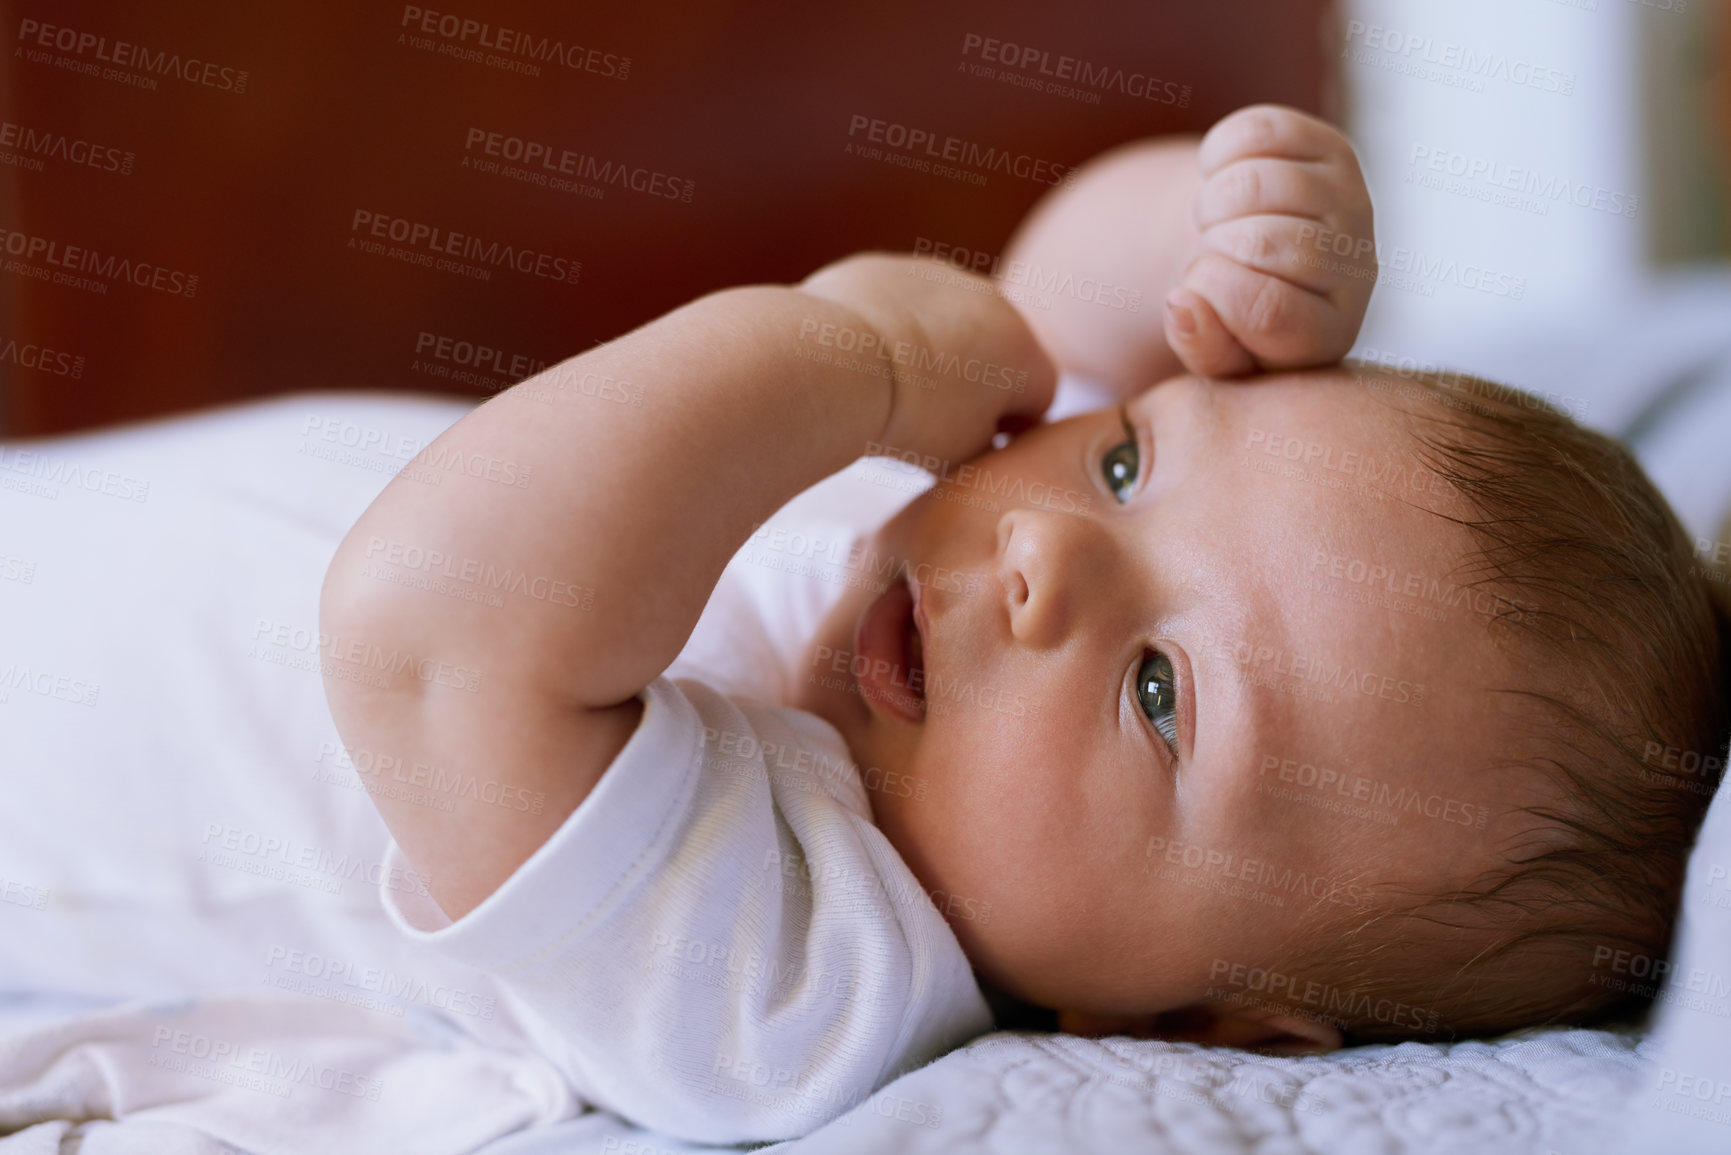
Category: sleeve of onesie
<point>718,943</point>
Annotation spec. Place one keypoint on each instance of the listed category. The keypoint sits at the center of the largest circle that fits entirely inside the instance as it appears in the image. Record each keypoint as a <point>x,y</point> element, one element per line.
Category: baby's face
<point>1191,691</point>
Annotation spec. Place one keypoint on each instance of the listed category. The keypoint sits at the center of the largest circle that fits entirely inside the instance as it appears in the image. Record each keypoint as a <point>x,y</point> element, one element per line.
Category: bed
<point>84,1065</point>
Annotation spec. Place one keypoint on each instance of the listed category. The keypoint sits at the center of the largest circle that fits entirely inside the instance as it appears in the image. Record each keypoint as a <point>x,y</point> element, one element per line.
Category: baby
<point>1281,703</point>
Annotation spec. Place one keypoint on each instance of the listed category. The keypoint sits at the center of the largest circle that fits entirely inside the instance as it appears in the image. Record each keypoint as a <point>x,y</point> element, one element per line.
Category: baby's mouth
<point>889,650</point>
<point>916,646</point>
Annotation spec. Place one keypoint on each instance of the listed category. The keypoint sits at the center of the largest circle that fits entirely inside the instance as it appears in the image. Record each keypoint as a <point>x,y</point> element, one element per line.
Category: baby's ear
<point>1216,1024</point>
<point>1093,1026</point>
<point>1267,1031</point>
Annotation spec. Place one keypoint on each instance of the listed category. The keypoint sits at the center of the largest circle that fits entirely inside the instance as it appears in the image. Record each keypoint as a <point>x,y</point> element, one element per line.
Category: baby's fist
<point>1287,259</point>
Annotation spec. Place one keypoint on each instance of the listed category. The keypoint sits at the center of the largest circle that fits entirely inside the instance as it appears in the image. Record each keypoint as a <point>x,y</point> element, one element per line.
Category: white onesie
<point>719,943</point>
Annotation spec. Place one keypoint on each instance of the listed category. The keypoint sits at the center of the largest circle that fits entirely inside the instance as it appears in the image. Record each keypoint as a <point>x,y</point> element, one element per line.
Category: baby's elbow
<point>359,618</point>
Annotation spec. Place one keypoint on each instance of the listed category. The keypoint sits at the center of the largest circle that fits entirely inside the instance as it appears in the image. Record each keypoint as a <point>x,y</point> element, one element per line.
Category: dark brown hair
<point>1620,725</point>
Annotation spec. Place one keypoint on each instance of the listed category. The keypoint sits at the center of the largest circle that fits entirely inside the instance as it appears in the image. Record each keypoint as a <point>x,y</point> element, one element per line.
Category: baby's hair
<point>1620,726</point>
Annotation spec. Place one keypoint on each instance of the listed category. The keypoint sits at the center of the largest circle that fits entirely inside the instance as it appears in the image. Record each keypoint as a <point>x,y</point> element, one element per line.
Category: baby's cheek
<point>1002,841</point>
<point>989,788</point>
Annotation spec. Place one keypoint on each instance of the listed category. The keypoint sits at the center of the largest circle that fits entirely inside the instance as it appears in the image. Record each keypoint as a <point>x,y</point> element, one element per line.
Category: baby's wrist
<point>871,286</point>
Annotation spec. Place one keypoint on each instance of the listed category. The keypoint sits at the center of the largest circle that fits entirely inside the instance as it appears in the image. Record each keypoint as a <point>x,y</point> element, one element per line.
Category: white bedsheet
<point>1563,1091</point>
<point>269,1073</point>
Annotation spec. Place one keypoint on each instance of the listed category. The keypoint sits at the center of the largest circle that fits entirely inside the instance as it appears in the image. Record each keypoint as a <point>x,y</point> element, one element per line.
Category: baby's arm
<point>1226,244</point>
<point>1125,222</point>
<point>620,526</point>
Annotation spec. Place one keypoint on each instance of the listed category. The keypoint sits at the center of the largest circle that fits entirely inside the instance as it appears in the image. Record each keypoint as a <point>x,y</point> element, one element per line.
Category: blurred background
<point>1552,211</point>
<point>209,202</point>
<point>1590,162</point>
<point>650,151</point>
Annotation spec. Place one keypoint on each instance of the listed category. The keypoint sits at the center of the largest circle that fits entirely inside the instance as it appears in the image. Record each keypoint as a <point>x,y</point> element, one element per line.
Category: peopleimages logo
<point>1398,266</point>
<point>1086,74</point>
<point>930,146</point>
<point>435,240</point>
<point>83,259</point>
<point>289,853</point>
<point>474,355</point>
<point>22,677</point>
<point>553,162</point>
<point>344,976</point>
<point>53,470</point>
<point>36,35</point>
<point>1445,61</point>
<point>35,144</point>
<point>42,359</point>
<point>1236,980</point>
<point>509,48</point>
<point>1380,794</point>
<point>1529,189</point>
<point>1267,665</point>
<point>255,1068</point>
<point>919,359</point>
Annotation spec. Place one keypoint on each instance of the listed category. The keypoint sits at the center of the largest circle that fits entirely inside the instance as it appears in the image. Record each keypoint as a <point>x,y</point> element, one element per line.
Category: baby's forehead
<point>1354,603</point>
<point>1331,445</point>
<point>1339,403</point>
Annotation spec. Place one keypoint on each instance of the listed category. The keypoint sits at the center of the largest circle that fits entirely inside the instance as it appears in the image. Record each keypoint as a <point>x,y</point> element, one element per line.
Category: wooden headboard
<point>210,202</point>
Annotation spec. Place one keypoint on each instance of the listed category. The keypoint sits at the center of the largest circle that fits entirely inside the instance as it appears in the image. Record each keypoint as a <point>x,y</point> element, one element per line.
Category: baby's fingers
<point>1262,185</point>
<point>1281,325</point>
<point>1195,333</point>
<point>1269,130</point>
<point>1285,247</point>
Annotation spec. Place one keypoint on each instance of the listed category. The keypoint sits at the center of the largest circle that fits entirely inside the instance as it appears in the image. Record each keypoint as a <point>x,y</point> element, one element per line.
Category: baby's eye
<point>1120,465</point>
<point>1157,694</point>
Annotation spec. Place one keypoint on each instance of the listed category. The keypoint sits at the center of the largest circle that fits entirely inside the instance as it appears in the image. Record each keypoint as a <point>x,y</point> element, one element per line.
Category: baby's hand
<point>963,364</point>
<point>1288,255</point>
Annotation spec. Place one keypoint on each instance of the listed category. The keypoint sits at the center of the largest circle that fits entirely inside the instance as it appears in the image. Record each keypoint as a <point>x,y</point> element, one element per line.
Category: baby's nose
<point>1037,559</point>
